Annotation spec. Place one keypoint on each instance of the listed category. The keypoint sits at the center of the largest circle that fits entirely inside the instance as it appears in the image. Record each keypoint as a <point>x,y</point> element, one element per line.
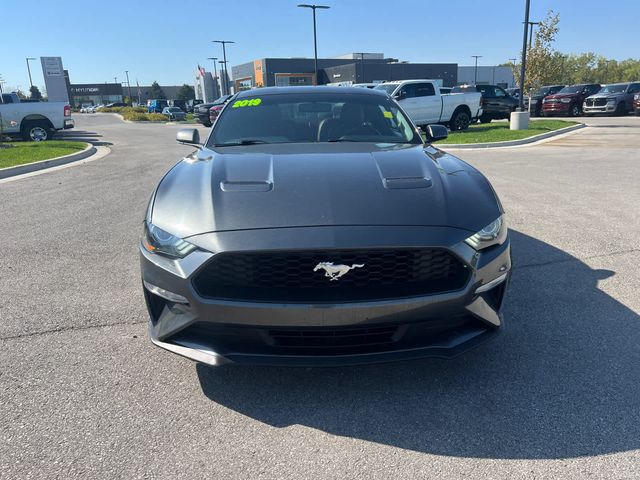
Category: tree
<point>186,92</point>
<point>34,93</point>
<point>157,92</point>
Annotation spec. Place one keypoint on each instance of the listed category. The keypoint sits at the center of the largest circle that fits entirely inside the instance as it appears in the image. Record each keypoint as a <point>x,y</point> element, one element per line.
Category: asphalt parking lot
<point>83,393</point>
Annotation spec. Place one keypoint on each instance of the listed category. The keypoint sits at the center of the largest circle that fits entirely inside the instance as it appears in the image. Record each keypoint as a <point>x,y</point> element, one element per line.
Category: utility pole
<point>224,56</point>
<point>128,86</point>
<point>475,72</point>
<point>215,75</point>
<point>29,70</point>
<point>315,41</point>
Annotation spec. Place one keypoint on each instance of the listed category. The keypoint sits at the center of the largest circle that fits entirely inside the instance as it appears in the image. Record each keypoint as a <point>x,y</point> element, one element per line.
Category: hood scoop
<point>246,173</point>
<point>403,171</point>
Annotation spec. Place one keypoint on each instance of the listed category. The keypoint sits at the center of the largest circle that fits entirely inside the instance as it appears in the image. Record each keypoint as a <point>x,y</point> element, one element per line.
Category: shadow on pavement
<point>562,380</point>
<point>81,136</point>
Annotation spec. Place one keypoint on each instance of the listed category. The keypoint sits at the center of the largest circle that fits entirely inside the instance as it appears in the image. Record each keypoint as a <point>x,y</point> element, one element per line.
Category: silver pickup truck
<point>33,121</point>
<point>425,104</point>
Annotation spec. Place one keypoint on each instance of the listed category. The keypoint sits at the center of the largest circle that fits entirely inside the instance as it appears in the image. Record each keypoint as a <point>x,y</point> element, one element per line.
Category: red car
<point>568,101</point>
<point>217,107</point>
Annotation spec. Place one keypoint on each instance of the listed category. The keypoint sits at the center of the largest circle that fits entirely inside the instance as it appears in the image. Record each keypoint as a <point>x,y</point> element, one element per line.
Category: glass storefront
<point>293,79</point>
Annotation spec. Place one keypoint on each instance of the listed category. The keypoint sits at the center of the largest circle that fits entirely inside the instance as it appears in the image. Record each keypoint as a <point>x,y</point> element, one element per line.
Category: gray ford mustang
<point>315,227</point>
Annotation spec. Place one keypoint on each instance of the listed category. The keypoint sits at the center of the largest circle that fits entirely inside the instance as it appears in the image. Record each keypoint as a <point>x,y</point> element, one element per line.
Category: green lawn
<point>499,132</point>
<point>29,152</point>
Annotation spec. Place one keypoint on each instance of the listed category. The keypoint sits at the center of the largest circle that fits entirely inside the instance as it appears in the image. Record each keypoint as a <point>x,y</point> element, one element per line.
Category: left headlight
<point>156,240</point>
<point>493,234</point>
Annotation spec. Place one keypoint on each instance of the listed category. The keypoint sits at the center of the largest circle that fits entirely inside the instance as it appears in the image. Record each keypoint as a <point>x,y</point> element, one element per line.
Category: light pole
<point>223,67</point>
<point>224,56</point>
<point>475,71</point>
<point>215,75</point>
<point>128,86</point>
<point>29,70</point>
<point>531,24</point>
<point>513,66</point>
<point>315,42</point>
<point>524,53</point>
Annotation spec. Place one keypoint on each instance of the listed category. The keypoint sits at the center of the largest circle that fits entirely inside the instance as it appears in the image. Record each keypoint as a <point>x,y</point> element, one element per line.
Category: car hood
<point>562,95</point>
<point>334,184</point>
<point>605,95</point>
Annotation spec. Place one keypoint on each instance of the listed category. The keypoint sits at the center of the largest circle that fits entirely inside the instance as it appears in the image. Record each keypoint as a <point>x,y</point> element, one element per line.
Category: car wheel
<point>459,121</point>
<point>36,132</point>
<point>621,109</point>
<point>207,124</point>
<point>575,111</point>
<point>485,119</point>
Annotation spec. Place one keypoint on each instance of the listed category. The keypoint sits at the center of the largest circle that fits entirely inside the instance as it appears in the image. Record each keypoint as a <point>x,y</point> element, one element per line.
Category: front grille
<point>333,338</point>
<point>589,102</point>
<point>289,276</point>
<point>600,102</point>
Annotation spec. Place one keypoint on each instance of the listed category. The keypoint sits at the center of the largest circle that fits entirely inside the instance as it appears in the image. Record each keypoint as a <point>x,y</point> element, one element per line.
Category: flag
<point>201,70</point>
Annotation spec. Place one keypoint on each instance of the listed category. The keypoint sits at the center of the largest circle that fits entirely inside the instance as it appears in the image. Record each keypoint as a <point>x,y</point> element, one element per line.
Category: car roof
<point>309,89</point>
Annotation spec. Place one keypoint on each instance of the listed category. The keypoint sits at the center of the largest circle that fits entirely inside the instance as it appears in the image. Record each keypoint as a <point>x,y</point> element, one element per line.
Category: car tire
<point>36,131</point>
<point>460,120</point>
<point>621,109</point>
<point>207,124</point>
<point>485,119</point>
<point>575,111</point>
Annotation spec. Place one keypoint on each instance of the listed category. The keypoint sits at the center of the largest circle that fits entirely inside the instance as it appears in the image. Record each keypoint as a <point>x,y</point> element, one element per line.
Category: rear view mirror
<point>189,136</point>
<point>436,132</point>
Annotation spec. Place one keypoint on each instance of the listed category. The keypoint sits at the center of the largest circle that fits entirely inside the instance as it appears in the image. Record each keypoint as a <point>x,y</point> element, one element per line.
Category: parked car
<point>444,90</point>
<point>569,100</point>
<point>535,101</point>
<point>216,108</point>
<point>191,104</point>
<point>201,112</point>
<point>116,104</point>
<point>33,121</point>
<point>282,241</point>
<point>496,102</point>
<point>156,105</point>
<point>174,113</point>
<point>181,104</point>
<point>365,85</point>
<point>636,103</point>
<point>424,103</point>
<point>615,98</point>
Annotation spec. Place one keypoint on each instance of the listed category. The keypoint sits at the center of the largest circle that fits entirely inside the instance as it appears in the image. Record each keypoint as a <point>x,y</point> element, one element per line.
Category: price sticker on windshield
<point>387,114</point>
<point>254,102</point>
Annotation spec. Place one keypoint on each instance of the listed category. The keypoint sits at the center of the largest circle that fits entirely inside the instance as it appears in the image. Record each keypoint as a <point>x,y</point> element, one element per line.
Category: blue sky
<point>165,40</point>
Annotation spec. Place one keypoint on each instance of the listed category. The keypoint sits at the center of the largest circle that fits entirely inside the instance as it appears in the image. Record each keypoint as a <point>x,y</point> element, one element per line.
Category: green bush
<point>136,116</point>
<point>123,110</point>
<point>157,117</point>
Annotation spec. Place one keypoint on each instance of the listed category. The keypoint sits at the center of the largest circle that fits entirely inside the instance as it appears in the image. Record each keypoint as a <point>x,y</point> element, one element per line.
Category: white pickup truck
<point>34,121</point>
<point>424,103</point>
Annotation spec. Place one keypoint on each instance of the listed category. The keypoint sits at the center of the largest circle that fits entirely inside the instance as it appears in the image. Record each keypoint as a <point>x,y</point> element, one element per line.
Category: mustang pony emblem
<point>334,272</point>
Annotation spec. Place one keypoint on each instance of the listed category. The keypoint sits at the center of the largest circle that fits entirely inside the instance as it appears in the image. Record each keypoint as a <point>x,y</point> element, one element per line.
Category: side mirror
<point>436,132</point>
<point>189,136</point>
<point>399,96</point>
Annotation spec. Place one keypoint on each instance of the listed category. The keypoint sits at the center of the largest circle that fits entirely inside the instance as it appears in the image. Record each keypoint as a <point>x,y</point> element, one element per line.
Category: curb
<point>511,143</point>
<point>43,164</point>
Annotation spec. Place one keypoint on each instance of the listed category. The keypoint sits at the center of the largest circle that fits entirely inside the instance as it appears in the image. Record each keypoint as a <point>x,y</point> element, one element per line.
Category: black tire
<point>36,131</point>
<point>575,110</point>
<point>621,109</point>
<point>460,120</point>
<point>485,119</point>
<point>207,124</point>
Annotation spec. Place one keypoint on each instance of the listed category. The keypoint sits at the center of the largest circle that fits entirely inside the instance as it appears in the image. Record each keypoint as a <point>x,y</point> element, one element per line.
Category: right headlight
<point>493,234</point>
<point>156,240</point>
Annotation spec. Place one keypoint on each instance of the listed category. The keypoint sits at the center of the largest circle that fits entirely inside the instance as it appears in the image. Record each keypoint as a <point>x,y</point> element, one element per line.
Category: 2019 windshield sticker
<point>254,102</point>
<point>387,114</point>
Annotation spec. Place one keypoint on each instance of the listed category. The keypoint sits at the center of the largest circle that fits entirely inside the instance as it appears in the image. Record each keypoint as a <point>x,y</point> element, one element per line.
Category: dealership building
<point>104,93</point>
<point>342,70</point>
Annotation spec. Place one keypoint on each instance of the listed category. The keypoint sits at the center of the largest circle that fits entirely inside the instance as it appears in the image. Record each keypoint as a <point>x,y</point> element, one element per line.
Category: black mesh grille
<point>589,102</point>
<point>600,102</point>
<point>290,276</point>
<point>333,338</point>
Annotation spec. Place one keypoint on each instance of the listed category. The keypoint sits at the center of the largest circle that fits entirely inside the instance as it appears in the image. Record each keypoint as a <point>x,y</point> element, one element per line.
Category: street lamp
<point>223,69</point>
<point>524,54</point>
<point>29,70</point>
<point>215,74</point>
<point>224,55</point>
<point>531,25</point>
<point>315,42</point>
<point>128,86</point>
<point>475,72</point>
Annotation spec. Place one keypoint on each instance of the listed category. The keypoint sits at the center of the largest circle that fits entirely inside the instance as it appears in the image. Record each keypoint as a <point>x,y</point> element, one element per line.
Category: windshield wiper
<point>241,142</point>
<point>342,140</point>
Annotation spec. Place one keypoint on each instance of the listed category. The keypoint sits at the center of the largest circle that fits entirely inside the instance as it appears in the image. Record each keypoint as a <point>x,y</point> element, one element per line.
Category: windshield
<point>174,109</point>
<point>220,100</point>
<point>544,91</point>
<point>312,117</point>
<point>387,87</point>
<point>572,89</point>
<point>619,88</point>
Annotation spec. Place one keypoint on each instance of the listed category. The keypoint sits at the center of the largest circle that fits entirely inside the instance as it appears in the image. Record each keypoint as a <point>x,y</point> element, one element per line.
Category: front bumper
<point>216,332</point>
<point>558,108</point>
<point>608,108</point>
